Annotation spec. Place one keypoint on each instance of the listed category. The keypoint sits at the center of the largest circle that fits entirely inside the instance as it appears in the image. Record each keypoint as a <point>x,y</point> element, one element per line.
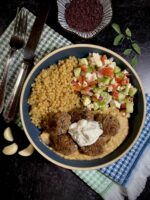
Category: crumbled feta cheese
<point>86,100</point>
<point>97,60</point>
<point>112,64</point>
<point>91,77</point>
<point>125,71</point>
<point>83,61</point>
<point>110,88</point>
<point>107,62</point>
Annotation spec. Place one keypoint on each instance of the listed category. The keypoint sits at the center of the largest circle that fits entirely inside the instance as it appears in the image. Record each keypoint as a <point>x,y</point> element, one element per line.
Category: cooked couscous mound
<point>52,92</point>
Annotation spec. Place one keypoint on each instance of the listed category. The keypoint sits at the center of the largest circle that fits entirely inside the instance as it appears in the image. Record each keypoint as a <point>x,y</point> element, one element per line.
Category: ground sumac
<point>84,15</point>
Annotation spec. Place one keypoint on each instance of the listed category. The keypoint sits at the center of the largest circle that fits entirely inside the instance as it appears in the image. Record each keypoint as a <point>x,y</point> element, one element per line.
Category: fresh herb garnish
<point>128,32</point>
<point>136,48</point>
<point>133,50</point>
<point>118,39</point>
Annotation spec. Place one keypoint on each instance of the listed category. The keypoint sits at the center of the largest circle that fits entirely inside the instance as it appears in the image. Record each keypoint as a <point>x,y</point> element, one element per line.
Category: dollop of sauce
<point>85,132</point>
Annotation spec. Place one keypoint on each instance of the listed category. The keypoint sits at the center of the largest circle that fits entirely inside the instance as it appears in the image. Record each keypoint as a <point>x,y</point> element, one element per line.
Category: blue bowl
<point>136,120</point>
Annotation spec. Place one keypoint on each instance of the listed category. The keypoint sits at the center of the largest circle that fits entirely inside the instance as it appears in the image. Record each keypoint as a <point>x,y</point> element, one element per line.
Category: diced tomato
<point>125,81</point>
<point>81,79</point>
<point>103,58</point>
<point>118,80</point>
<point>77,88</point>
<point>107,71</point>
<point>84,68</point>
<point>86,89</point>
<point>115,94</point>
<point>114,86</point>
<point>92,83</point>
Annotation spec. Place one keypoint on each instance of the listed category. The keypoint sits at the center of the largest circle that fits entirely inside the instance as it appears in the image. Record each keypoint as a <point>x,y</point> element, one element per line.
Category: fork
<point>17,42</point>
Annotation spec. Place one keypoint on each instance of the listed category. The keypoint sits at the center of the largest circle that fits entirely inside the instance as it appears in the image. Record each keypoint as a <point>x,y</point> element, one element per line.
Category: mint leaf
<point>128,32</point>
<point>127,52</point>
<point>134,61</point>
<point>116,27</point>
<point>118,39</point>
<point>136,48</point>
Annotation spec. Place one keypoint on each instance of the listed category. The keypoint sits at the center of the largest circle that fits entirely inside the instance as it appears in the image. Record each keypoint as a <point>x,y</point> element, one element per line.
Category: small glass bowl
<point>107,16</point>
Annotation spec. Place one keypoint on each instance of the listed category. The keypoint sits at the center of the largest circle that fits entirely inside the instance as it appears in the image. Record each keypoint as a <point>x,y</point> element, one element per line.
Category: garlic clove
<point>8,134</point>
<point>45,138</point>
<point>27,151</point>
<point>10,149</point>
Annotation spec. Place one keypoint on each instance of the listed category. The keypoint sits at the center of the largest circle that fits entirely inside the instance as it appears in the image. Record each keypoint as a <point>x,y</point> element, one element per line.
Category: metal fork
<point>17,42</point>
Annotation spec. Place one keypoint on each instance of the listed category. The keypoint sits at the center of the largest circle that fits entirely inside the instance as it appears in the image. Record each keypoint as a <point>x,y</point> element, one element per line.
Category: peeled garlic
<point>45,138</point>
<point>10,149</point>
<point>27,151</point>
<point>8,134</point>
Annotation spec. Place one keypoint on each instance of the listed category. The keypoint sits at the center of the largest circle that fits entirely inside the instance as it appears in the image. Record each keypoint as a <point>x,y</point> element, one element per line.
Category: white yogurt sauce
<point>85,132</point>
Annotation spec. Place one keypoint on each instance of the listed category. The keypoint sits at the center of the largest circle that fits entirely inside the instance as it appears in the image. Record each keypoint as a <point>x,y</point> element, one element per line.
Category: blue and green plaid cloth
<point>121,170</point>
<point>100,180</point>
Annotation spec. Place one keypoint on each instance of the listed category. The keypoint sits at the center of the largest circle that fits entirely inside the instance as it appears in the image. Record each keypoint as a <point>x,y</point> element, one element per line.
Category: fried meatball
<point>96,148</point>
<point>60,122</point>
<point>79,114</point>
<point>87,114</point>
<point>62,143</point>
<point>110,125</point>
<point>99,117</point>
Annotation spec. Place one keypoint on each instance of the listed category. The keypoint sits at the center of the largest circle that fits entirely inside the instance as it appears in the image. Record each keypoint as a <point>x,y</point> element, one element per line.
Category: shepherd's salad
<point>103,84</point>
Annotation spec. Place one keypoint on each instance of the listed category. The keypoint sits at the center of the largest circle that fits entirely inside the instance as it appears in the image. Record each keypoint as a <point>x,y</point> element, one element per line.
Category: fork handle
<point>13,102</point>
<point>4,80</point>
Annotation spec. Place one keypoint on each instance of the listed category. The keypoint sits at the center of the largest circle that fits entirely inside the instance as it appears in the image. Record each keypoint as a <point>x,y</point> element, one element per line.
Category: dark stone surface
<point>34,178</point>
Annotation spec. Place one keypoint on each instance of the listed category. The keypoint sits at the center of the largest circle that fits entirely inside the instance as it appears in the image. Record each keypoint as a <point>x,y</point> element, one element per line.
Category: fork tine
<point>16,21</point>
<point>22,23</point>
<point>25,22</point>
<point>20,30</point>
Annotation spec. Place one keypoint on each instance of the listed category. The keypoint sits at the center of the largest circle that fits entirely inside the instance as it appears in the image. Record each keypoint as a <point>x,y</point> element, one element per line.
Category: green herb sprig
<point>134,49</point>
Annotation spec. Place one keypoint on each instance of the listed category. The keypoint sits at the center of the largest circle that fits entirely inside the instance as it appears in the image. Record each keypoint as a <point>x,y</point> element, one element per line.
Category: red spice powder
<point>84,15</point>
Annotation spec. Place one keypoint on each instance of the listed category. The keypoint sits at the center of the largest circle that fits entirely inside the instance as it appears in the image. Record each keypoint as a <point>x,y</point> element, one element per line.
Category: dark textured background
<point>34,178</point>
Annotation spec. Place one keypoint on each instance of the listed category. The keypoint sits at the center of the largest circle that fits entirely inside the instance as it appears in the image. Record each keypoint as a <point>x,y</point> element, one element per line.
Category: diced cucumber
<point>119,75</point>
<point>132,91</point>
<point>106,80</point>
<point>96,105</point>
<point>77,72</point>
<point>117,69</point>
<point>83,61</point>
<point>103,107</point>
<point>125,90</point>
<point>106,97</point>
<point>99,105</point>
<point>90,69</point>
<point>97,90</point>
<point>129,107</point>
<point>121,96</point>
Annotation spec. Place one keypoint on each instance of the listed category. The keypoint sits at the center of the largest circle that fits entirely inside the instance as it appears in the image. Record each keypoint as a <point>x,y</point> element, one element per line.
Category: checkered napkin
<point>121,170</point>
<point>96,179</point>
